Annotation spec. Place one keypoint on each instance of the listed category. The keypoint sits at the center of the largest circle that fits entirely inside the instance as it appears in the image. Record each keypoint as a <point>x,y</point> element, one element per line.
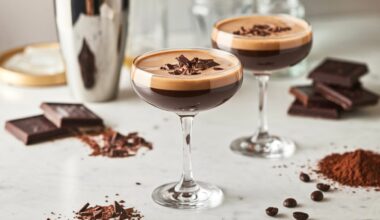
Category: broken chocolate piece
<point>338,72</point>
<point>322,110</point>
<point>70,115</point>
<point>347,98</point>
<point>34,129</point>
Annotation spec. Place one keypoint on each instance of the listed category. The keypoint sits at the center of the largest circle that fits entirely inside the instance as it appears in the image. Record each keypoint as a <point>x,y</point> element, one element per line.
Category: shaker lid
<point>38,64</point>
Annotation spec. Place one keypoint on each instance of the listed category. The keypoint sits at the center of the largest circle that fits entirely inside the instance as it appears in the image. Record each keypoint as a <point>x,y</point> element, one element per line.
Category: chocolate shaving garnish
<point>169,66</point>
<point>186,66</point>
<point>111,143</point>
<point>183,61</point>
<point>262,30</point>
<point>218,68</point>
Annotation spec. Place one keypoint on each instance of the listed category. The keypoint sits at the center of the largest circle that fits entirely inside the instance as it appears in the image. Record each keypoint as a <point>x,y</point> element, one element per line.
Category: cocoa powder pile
<point>359,168</point>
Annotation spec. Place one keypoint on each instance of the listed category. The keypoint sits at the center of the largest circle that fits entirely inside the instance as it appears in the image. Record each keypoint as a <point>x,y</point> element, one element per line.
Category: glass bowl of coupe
<point>187,81</point>
<point>264,43</point>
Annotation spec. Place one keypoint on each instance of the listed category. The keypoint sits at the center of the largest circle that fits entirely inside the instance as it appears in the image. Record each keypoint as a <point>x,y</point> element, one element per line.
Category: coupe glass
<point>186,103</point>
<point>262,63</point>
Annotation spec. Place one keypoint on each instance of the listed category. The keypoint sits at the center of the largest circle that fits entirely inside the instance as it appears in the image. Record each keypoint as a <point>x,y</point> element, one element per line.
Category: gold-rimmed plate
<point>19,78</point>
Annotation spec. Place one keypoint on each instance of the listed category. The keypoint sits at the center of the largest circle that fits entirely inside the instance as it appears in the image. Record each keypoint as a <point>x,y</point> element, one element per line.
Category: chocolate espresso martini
<point>264,43</point>
<point>187,81</point>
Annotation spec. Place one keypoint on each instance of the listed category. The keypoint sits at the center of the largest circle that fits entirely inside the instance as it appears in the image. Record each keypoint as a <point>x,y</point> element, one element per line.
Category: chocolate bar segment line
<point>34,129</point>
<point>70,115</point>
<point>347,98</point>
<point>339,72</point>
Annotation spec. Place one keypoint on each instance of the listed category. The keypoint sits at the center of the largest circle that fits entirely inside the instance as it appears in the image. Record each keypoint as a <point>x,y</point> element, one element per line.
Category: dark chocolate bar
<point>339,72</point>
<point>70,115</point>
<point>34,129</point>
<point>323,110</point>
<point>347,98</point>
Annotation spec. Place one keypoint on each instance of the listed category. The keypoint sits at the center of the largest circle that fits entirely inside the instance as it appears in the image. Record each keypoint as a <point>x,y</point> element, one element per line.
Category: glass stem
<point>187,183</point>
<point>263,88</point>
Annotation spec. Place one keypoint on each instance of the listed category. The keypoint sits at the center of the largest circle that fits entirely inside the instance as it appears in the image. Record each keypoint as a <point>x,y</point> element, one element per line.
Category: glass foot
<point>264,146</point>
<point>206,196</point>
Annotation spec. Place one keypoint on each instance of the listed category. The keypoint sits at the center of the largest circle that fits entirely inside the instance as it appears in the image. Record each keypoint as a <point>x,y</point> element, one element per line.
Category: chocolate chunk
<point>323,110</point>
<point>304,177</point>
<point>339,72</point>
<point>347,98</point>
<point>323,187</point>
<point>34,129</point>
<point>87,65</point>
<point>307,95</point>
<point>316,196</point>
<point>300,216</point>
<point>290,203</point>
<point>70,115</point>
<point>271,211</point>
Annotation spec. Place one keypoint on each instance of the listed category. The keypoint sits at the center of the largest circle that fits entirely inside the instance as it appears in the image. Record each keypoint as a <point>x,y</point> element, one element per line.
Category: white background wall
<point>27,21</point>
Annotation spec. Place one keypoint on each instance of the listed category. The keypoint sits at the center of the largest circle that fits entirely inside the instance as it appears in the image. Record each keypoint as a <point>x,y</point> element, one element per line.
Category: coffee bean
<point>271,211</point>
<point>304,177</point>
<point>300,215</point>
<point>323,187</point>
<point>316,196</point>
<point>290,203</point>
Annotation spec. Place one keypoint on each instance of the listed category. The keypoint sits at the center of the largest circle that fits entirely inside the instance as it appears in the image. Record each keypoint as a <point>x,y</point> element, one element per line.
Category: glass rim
<point>218,51</point>
<point>217,23</point>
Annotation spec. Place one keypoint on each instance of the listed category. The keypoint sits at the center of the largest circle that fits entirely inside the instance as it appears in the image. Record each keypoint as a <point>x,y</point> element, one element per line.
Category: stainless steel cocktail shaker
<point>92,35</point>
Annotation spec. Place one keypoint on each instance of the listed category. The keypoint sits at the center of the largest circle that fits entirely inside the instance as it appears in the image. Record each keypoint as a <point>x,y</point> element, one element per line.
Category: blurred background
<point>23,22</point>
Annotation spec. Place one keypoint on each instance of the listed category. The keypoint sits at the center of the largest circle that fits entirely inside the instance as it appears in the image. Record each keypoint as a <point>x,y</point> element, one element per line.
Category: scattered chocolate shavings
<point>262,30</point>
<point>108,212</point>
<point>111,143</point>
<point>189,67</point>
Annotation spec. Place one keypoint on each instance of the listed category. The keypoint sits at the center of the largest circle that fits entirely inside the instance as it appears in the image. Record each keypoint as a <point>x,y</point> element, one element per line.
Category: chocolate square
<point>315,110</point>
<point>34,129</point>
<point>337,72</point>
<point>307,95</point>
<point>347,98</point>
<point>70,115</point>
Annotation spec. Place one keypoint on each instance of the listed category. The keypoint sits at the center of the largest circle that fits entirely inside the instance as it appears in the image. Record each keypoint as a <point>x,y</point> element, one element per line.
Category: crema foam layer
<point>299,34</point>
<point>147,72</point>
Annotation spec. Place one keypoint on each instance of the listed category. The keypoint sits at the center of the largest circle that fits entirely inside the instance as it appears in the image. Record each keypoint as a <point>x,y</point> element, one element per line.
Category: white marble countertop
<point>60,177</point>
